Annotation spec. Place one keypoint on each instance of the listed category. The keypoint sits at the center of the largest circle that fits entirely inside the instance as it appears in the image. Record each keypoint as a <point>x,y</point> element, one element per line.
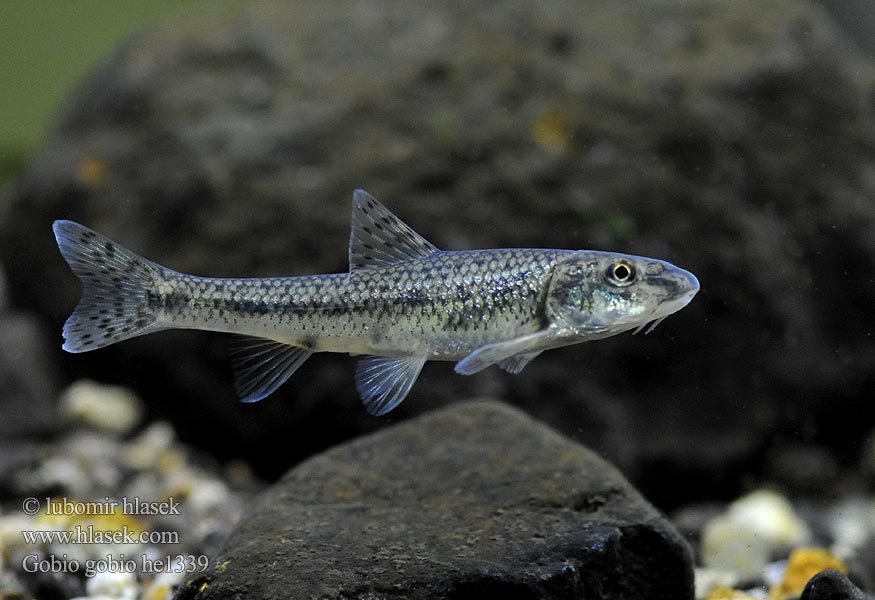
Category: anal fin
<point>262,365</point>
<point>384,382</point>
<point>518,362</point>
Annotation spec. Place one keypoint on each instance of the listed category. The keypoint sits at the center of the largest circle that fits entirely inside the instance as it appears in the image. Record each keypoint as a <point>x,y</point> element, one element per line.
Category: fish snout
<point>676,287</point>
<point>689,283</point>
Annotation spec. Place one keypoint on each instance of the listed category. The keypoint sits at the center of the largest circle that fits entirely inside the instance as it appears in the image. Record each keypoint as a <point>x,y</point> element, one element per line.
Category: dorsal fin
<point>379,238</point>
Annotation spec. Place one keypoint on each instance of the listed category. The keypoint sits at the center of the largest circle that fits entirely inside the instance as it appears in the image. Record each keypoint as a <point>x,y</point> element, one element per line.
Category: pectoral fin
<point>509,355</point>
<point>384,382</point>
<point>261,365</point>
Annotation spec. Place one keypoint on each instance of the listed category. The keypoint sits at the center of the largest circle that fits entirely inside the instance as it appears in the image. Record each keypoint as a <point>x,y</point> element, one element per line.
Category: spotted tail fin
<point>117,286</point>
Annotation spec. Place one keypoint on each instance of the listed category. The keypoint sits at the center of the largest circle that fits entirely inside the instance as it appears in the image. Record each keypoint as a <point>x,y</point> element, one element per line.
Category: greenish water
<point>46,46</point>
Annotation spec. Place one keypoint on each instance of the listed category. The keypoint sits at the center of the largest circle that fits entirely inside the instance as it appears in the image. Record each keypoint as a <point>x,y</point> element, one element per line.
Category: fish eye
<point>621,273</point>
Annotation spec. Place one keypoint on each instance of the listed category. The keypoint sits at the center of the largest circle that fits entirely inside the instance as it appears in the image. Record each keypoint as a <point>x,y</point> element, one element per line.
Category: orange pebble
<point>804,564</point>
<point>725,593</point>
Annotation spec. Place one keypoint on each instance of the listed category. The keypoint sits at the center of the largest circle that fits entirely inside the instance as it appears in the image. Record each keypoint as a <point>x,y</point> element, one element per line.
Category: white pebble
<point>742,538</point>
<point>729,546</point>
<point>207,496</point>
<point>708,579</point>
<point>121,585</point>
<point>773,573</point>
<point>108,408</point>
<point>11,526</point>
<point>145,450</point>
<point>161,588</point>
<point>852,523</point>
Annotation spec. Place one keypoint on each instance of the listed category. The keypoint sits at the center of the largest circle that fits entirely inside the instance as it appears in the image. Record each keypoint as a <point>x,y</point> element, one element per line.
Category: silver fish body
<point>403,302</point>
<point>442,306</point>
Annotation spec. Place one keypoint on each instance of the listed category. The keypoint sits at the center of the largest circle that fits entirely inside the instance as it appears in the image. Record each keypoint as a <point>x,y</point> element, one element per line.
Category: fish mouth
<point>688,286</point>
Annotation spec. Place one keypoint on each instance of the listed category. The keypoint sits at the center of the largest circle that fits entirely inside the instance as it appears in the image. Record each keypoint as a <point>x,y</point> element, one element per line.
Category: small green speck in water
<point>621,226</point>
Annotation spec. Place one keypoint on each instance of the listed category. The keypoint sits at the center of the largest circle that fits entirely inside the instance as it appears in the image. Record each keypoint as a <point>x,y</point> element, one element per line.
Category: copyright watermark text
<point>61,523</point>
<point>107,506</point>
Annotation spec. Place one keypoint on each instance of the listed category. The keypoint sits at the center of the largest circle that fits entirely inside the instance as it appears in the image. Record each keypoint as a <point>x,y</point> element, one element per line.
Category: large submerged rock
<point>473,501</point>
<point>732,138</point>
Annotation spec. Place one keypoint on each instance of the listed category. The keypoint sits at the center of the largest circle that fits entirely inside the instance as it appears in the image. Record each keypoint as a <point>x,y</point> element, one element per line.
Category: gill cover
<point>570,299</point>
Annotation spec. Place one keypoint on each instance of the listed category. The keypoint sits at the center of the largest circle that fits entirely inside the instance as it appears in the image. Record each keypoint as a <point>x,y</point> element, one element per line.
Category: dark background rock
<point>433,508</point>
<point>734,139</point>
<point>28,378</point>
<point>832,585</point>
<point>28,391</point>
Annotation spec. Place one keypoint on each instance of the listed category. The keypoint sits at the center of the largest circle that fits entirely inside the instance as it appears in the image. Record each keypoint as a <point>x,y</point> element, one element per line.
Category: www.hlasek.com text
<point>88,534</point>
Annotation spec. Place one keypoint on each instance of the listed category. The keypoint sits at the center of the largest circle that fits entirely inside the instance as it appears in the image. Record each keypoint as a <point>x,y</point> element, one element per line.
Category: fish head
<point>599,294</point>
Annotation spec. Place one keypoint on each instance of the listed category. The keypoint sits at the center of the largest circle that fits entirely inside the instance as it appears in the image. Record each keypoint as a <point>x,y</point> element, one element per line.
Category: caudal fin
<point>116,285</point>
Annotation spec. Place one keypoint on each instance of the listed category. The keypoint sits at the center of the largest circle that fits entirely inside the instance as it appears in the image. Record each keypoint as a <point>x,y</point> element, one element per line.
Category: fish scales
<point>444,305</point>
<point>403,302</point>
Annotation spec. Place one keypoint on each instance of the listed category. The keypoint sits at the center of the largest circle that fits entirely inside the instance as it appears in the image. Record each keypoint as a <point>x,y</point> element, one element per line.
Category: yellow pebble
<point>725,593</point>
<point>91,171</point>
<point>804,564</point>
<point>161,592</point>
<point>553,130</point>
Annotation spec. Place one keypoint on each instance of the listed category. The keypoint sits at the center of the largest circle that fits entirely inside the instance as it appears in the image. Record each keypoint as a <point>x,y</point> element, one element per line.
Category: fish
<point>403,302</point>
